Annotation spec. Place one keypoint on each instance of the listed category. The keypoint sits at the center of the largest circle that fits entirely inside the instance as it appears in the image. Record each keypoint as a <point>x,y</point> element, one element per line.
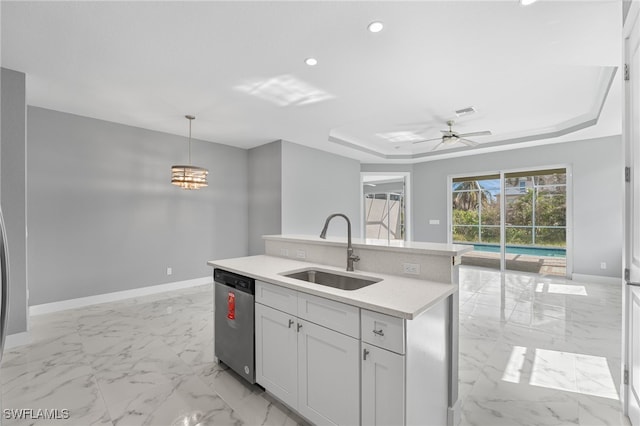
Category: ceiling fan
<point>450,137</point>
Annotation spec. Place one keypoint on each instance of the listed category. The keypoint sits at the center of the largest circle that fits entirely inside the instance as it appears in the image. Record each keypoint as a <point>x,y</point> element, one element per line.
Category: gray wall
<point>265,194</point>
<point>13,193</point>
<point>597,195</point>
<point>103,216</point>
<point>314,185</point>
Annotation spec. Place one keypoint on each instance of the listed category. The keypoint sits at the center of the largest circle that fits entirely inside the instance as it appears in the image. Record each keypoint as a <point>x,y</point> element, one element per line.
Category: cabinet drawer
<point>383,331</point>
<point>329,313</point>
<point>281,298</point>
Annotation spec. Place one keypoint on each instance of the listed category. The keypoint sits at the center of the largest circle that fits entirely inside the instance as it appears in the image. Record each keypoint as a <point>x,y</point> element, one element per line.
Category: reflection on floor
<point>144,361</point>
<point>538,350</point>
<point>544,265</point>
<point>532,351</point>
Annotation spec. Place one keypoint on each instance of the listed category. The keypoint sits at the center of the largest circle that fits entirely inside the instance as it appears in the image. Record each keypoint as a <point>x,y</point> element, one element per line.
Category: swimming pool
<point>531,251</point>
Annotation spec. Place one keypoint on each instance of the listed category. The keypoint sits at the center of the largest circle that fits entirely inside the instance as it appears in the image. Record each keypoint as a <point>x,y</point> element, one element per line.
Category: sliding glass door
<point>515,220</point>
<point>536,221</point>
<point>476,218</point>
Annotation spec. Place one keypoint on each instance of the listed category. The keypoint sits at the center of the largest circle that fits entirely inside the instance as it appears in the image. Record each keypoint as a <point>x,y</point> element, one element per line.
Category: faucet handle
<point>354,257</point>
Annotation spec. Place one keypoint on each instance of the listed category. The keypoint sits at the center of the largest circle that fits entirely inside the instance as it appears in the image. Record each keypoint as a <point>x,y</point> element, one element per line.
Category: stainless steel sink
<point>332,279</point>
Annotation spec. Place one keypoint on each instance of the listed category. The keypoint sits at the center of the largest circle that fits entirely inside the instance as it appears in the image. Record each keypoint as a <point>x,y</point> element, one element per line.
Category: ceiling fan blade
<point>428,140</point>
<point>437,146</point>
<point>468,142</point>
<point>482,133</point>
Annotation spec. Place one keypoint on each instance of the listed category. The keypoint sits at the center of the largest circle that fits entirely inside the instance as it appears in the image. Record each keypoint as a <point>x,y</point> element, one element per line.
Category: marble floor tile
<point>600,411</point>
<point>485,412</point>
<point>532,351</point>
<point>123,377</point>
<point>78,395</point>
<point>187,401</point>
<point>554,361</point>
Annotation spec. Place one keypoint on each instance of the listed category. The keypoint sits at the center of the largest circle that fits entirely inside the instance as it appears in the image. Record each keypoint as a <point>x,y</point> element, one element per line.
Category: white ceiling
<point>544,73</point>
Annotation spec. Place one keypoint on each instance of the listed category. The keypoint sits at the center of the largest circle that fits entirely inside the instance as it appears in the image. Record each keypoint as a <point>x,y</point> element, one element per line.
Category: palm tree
<point>468,194</point>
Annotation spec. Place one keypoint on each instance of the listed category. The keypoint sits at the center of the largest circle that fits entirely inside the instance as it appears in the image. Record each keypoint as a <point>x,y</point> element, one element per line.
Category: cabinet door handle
<point>378,332</point>
<point>290,323</point>
<point>364,354</point>
<point>299,327</point>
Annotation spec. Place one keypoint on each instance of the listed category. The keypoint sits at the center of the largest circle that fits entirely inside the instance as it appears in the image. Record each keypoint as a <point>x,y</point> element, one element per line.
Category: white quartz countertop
<point>393,245</point>
<point>394,295</point>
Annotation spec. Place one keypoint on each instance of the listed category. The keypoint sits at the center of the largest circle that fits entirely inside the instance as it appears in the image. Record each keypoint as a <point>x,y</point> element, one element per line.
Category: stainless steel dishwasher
<point>234,341</point>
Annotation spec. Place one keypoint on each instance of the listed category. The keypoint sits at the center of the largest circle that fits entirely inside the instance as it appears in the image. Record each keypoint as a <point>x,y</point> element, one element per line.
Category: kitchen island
<point>382,354</point>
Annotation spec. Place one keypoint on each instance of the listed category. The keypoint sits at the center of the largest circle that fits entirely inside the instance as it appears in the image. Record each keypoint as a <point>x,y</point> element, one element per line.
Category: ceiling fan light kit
<point>188,176</point>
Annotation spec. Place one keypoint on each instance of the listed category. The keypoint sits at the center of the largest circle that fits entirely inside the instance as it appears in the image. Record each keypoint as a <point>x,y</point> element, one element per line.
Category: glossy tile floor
<point>143,361</point>
<point>538,351</point>
<point>533,351</point>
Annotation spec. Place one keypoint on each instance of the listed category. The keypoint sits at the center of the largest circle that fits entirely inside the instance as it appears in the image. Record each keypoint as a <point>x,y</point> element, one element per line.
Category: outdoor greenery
<point>476,210</point>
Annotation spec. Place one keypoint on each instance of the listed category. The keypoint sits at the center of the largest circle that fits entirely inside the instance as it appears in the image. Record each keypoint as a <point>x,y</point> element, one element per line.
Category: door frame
<point>408,230</point>
<point>569,212</point>
<point>631,43</point>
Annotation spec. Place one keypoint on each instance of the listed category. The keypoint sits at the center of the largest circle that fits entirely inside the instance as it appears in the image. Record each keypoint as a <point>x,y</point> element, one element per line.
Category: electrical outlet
<point>603,265</point>
<point>301,254</point>
<point>169,271</point>
<point>284,252</point>
<point>411,268</point>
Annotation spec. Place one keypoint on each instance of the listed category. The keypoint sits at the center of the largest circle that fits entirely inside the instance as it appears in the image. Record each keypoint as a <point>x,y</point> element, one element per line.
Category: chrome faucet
<point>350,256</point>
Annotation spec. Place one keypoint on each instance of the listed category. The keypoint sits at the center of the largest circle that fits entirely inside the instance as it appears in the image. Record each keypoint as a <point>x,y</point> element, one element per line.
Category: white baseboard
<point>63,305</point>
<point>596,279</point>
<point>17,339</point>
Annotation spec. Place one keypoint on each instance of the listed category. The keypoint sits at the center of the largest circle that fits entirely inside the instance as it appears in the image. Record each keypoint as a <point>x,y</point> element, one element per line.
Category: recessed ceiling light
<point>311,61</point>
<point>375,27</point>
<point>527,2</point>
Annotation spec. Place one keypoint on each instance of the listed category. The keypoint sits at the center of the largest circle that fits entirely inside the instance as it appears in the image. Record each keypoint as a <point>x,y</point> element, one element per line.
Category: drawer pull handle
<point>290,323</point>
<point>364,354</point>
<point>299,327</point>
<point>378,332</point>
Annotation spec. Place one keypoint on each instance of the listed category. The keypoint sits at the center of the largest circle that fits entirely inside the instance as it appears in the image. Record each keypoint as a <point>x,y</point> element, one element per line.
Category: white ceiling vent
<point>465,111</point>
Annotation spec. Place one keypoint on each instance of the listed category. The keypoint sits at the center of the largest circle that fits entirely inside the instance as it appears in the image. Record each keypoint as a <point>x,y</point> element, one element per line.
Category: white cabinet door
<point>328,376</point>
<point>382,387</point>
<point>276,353</point>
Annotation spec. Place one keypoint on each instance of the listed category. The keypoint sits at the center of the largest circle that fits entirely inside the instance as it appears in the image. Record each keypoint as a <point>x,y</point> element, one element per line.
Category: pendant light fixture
<point>189,177</point>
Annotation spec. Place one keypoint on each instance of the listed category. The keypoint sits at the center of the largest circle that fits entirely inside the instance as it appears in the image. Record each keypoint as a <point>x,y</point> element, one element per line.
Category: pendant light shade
<point>189,177</point>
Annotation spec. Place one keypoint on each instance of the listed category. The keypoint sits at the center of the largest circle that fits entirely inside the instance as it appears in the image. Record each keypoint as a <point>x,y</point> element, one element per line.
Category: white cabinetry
<point>310,367</point>
<point>328,379</point>
<point>383,365</point>
<point>404,368</point>
<point>382,387</point>
<point>276,353</point>
<point>337,364</point>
